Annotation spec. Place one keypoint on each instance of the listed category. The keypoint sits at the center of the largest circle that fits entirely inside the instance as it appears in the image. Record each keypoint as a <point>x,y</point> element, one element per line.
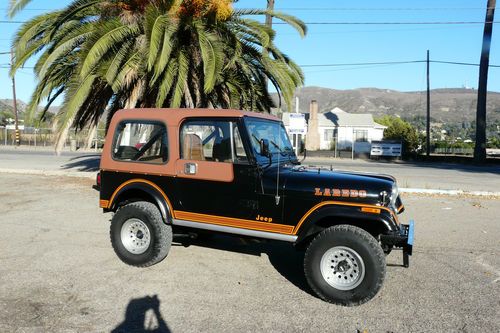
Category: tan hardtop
<point>174,117</point>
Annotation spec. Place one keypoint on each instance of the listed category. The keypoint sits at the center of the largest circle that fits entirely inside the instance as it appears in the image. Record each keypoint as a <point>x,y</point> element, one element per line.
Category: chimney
<point>313,110</point>
<point>313,138</point>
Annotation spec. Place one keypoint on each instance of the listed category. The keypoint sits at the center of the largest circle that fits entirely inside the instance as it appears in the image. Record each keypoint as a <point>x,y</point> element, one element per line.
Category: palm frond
<point>16,6</point>
<point>111,39</point>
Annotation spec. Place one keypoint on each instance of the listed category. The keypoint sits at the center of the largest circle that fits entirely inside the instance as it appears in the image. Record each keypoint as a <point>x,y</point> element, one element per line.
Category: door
<point>214,177</point>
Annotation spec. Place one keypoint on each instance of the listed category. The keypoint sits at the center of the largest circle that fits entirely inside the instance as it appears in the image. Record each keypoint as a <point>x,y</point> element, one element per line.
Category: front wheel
<point>345,265</point>
<point>138,234</point>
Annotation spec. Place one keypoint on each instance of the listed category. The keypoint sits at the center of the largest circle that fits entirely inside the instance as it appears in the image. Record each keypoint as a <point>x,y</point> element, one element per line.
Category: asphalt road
<point>58,273</point>
<point>445,176</point>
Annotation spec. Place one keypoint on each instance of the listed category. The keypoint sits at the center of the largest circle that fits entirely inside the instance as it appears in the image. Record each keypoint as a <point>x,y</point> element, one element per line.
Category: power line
<point>30,9</point>
<point>396,23</point>
<point>364,63</point>
<point>394,63</point>
<point>459,63</point>
<point>378,9</point>
<point>353,63</point>
<point>332,8</point>
<point>354,23</point>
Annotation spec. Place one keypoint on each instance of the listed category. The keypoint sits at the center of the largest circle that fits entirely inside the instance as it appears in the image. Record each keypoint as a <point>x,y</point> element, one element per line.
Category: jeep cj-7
<point>235,172</point>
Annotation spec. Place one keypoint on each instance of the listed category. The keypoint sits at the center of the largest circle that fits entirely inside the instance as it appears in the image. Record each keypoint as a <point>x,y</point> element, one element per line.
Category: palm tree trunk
<point>61,138</point>
<point>187,96</point>
<point>482,90</point>
<point>91,136</point>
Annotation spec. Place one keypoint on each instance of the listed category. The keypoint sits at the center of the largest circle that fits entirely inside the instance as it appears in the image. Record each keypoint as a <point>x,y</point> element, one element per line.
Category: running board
<point>237,231</point>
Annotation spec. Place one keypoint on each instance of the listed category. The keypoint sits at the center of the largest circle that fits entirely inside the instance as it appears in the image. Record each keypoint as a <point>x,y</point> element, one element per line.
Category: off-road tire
<point>360,242</point>
<point>160,234</point>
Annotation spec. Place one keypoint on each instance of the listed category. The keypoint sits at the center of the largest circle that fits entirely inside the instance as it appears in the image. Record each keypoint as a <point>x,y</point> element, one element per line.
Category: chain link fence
<point>46,137</point>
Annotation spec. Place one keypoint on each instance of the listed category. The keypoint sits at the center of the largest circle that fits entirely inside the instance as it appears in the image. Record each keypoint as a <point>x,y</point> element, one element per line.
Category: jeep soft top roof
<point>175,116</point>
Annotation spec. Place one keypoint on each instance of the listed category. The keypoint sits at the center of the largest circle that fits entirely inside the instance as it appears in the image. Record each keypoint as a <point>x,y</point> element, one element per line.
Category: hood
<point>335,184</point>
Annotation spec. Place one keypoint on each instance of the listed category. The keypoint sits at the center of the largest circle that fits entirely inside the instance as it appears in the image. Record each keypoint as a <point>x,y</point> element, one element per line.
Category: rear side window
<point>141,141</point>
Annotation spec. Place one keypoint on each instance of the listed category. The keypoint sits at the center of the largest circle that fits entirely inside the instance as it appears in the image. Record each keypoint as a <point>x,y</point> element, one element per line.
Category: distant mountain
<point>447,105</point>
<point>7,105</point>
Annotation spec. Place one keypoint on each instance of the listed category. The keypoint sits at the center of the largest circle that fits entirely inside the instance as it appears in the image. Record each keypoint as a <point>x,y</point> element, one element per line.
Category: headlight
<point>389,199</point>
<point>394,196</point>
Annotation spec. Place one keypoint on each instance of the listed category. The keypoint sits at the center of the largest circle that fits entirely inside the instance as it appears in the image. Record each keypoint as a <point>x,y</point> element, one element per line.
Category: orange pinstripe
<point>235,222</point>
<point>324,203</point>
<point>138,180</point>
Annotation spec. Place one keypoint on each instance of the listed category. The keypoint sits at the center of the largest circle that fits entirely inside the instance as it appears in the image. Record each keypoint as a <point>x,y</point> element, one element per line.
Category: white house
<point>339,130</point>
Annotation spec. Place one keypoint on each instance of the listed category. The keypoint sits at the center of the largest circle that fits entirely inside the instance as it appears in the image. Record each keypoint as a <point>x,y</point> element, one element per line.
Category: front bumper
<point>402,239</point>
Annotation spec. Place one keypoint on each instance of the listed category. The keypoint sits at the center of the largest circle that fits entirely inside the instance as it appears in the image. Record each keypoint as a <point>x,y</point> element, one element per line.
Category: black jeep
<point>235,172</point>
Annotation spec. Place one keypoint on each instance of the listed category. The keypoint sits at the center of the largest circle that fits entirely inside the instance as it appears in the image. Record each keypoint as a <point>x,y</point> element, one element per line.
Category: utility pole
<point>428,124</point>
<point>269,23</point>
<point>269,18</point>
<point>482,90</point>
<point>14,100</point>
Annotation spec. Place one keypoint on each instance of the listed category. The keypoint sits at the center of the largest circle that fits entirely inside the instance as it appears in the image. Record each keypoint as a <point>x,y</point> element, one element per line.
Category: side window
<point>212,140</point>
<point>141,141</point>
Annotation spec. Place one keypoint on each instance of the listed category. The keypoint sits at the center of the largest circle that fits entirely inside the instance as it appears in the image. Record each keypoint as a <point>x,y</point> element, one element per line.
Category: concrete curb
<point>60,173</point>
<point>92,175</point>
<point>450,192</point>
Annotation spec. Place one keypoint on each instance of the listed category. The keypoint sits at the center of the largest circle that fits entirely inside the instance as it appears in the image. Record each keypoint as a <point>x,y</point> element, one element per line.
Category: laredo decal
<point>335,192</point>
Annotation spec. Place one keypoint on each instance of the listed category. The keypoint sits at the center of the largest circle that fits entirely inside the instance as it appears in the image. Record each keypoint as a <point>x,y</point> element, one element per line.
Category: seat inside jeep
<point>192,147</point>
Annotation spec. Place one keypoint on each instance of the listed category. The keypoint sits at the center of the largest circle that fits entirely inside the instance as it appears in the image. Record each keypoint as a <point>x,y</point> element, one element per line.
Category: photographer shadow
<point>143,315</point>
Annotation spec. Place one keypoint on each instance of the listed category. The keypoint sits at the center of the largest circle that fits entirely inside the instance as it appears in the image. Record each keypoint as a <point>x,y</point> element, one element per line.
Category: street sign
<point>13,127</point>
<point>297,123</point>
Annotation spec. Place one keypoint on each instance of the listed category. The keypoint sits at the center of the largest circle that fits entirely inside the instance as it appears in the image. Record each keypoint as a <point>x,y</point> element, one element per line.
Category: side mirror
<point>264,148</point>
<point>305,155</point>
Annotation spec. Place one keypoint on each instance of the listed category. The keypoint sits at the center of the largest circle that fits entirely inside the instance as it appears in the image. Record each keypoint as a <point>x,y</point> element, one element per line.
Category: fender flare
<point>151,189</point>
<point>309,225</point>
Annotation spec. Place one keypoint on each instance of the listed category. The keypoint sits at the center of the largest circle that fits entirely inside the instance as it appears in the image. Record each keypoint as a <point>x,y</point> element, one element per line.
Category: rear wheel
<point>138,234</point>
<point>345,265</point>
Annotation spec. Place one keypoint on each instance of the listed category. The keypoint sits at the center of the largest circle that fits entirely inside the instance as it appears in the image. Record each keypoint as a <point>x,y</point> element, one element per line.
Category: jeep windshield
<point>273,131</point>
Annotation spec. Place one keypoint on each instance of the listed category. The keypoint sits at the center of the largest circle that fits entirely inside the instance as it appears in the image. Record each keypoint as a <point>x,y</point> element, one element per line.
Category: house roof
<point>339,118</point>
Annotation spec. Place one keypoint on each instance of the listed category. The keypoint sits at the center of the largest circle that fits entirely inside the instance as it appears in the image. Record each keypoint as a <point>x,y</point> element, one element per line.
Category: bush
<point>398,129</point>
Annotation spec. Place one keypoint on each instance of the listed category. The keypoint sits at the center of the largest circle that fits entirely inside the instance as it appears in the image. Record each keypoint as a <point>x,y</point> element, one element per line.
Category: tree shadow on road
<point>84,163</point>
<point>287,261</point>
<point>143,315</point>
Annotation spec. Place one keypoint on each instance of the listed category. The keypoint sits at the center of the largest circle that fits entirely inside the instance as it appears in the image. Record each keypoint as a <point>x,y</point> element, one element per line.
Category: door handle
<point>190,168</point>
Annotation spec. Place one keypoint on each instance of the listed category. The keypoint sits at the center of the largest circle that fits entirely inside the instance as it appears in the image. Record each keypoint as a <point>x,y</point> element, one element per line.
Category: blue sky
<point>339,44</point>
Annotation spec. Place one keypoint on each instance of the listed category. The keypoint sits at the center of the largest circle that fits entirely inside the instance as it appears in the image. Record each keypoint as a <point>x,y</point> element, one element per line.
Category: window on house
<point>361,136</point>
<point>141,141</point>
<point>329,134</point>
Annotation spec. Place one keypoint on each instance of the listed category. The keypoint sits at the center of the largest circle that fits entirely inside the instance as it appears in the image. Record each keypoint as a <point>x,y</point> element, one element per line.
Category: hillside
<point>447,105</point>
<point>6,106</point>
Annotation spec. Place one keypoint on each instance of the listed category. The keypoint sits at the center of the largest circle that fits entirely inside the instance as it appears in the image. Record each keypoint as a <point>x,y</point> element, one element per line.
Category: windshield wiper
<point>276,145</point>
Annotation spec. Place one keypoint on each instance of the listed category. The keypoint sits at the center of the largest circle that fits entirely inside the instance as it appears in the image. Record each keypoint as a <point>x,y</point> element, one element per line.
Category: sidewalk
<point>424,178</point>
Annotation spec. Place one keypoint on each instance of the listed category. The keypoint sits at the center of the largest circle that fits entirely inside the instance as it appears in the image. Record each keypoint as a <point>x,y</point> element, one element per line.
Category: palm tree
<point>106,55</point>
